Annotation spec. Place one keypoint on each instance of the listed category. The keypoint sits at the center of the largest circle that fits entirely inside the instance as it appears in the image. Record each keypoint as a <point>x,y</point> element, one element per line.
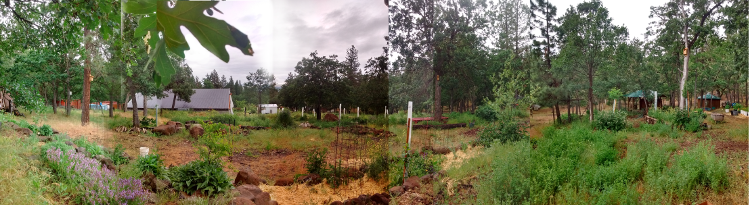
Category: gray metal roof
<point>218,99</point>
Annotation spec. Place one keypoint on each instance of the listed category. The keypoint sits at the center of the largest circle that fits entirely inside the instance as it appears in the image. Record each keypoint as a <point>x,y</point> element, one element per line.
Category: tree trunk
<point>569,109</point>
<point>685,60</point>
<point>54,97</point>
<point>260,108</point>
<point>317,113</point>
<point>136,122</point>
<point>145,106</point>
<point>174,99</point>
<point>438,115</point>
<point>86,82</point>
<point>591,93</point>
<point>557,111</point>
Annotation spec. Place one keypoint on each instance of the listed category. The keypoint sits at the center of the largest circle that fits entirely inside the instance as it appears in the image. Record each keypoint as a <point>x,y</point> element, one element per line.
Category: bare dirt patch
<point>270,165</point>
<point>323,193</point>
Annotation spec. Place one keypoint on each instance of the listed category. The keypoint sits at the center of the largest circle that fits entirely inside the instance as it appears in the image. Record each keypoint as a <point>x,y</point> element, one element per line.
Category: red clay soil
<point>472,132</point>
<point>270,165</point>
<point>724,146</point>
<point>330,118</point>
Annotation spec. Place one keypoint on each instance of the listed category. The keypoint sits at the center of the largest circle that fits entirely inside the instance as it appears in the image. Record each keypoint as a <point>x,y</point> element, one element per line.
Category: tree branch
<point>703,20</point>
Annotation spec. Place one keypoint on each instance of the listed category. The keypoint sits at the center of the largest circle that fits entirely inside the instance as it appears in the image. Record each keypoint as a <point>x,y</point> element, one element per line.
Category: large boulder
<point>24,131</point>
<point>396,190</point>
<point>247,176</point>
<point>177,125</point>
<point>242,201</point>
<point>312,179</point>
<point>249,191</point>
<point>165,129</point>
<point>411,183</point>
<point>330,118</point>
<point>284,182</point>
<point>196,130</point>
<point>264,198</point>
<point>380,199</point>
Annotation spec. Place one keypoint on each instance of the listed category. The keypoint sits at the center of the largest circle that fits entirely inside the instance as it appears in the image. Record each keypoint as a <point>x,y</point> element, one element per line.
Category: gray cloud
<point>283,32</point>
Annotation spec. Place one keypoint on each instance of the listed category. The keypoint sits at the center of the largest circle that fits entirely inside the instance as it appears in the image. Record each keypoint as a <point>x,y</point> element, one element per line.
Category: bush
<point>91,148</point>
<point>315,162</point>
<point>148,122</point>
<point>45,130</point>
<point>117,155</point>
<point>204,176</point>
<point>151,163</point>
<point>417,165</point>
<point>505,131</point>
<point>284,119</point>
<point>614,121</point>
<point>379,165</point>
<point>486,112</point>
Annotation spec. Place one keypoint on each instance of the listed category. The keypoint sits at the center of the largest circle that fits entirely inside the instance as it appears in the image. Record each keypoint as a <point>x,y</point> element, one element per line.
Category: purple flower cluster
<point>100,185</point>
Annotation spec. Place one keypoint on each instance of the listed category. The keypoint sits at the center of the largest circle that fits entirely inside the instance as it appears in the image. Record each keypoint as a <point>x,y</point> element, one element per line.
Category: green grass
<point>22,181</point>
<point>576,165</point>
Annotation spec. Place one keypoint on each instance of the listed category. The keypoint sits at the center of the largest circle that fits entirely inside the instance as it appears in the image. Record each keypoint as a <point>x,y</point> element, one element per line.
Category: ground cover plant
<point>577,165</point>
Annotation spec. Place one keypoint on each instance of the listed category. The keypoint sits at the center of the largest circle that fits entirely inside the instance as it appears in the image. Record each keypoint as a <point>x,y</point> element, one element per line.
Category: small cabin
<point>269,108</point>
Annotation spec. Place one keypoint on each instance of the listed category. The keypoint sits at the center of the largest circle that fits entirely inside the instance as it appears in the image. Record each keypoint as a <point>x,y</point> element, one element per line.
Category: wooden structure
<point>709,101</point>
<point>637,101</point>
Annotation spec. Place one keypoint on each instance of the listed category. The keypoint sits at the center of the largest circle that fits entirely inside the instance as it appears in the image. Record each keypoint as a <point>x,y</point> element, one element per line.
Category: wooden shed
<point>709,101</point>
<point>636,100</point>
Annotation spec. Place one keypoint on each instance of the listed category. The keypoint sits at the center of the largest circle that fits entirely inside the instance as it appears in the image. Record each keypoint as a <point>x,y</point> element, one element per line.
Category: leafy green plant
<point>118,121</point>
<point>416,165</point>
<point>148,122</point>
<point>486,112</point>
<point>614,121</point>
<point>224,119</point>
<point>91,147</point>
<point>206,177</point>
<point>503,131</point>
<point>45,130</point>
<point>117,155</point>
<point>737,106</point>
<point>151,163</point>
<point>379,165</point>
<point>284,119</point>
<point>315,162</point>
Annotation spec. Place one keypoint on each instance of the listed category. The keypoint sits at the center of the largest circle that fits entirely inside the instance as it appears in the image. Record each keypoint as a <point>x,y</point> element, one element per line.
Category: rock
<point>196,130</point>
<point>330,118</point>
<point>12,125</point>
<point>241,201</point>
<point>364,199</point>
<point>54,132</point>
<point>411,183</point>
<point>441,150</point>
<point>380,199</point>
<point>24,131</point>
<point>69,143</point>
<point>284,182</point>
<point>165,129</point>
<point>273,202</point>
<point>149,181</point>
<point>441,173</point>
<point>312,179</point>
<point>353,201</point>
<point>44,139</point>
<point>82,150</point>
<point>247,176</point>
<point>426,178</point>
<point>337,203</point>
<point>396,190</point>
<point>249,191</point>
<point>262,199</point>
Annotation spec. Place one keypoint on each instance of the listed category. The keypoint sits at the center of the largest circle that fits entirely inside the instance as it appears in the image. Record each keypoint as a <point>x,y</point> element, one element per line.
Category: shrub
<point>360,120</point>
<point>151,163</point>
<point>614,121</point>
<point>379,165</point>
<point>45,130</point>
<point>284,119</point>
<point>486,112</point>
<point>148,122</point>
<point>204,176</point>
<point>315,162</point>
<point>505,131</point>
<point>117,155</point>
<point>380,121</point>
<point>91,148</point>
<point>417,165</point>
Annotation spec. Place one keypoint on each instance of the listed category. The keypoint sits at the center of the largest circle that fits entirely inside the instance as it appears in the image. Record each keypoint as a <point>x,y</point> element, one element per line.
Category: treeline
<point>582,55</point>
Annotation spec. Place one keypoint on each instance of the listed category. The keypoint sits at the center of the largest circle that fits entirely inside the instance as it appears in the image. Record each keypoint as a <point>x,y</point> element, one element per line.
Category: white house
<point>269,108</point>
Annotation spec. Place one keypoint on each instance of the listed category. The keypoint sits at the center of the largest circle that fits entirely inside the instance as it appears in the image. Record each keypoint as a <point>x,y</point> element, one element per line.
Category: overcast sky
<point>282,32</point>
<point>631,13</point>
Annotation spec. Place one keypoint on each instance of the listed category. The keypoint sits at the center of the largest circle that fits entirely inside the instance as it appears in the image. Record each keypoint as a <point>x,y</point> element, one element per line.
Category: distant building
<point>202,99</point>
<point>269,108</point>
